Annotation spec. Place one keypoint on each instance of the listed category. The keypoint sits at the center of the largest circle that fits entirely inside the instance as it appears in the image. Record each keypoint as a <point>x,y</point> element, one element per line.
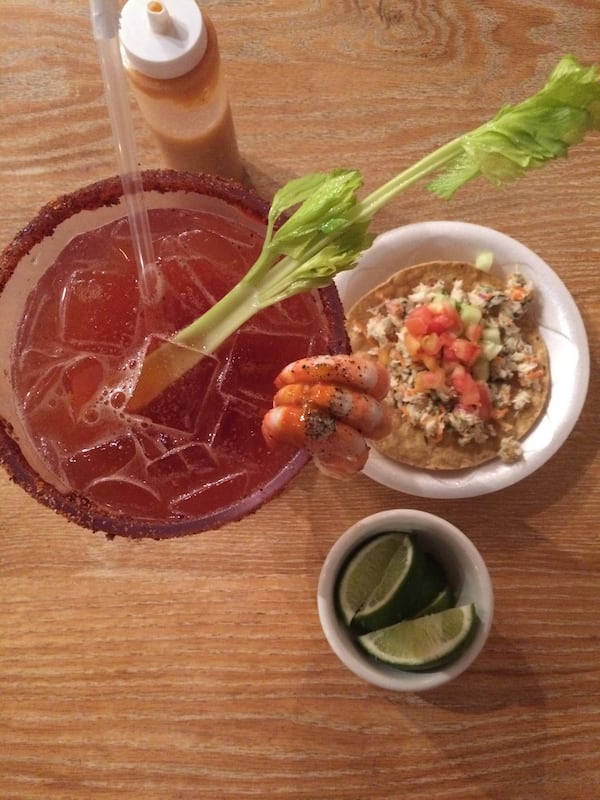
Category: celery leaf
<point>525,136</point>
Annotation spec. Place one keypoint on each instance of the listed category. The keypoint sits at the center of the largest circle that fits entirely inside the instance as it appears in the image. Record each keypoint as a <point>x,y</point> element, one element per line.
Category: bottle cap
<point>162,39</point>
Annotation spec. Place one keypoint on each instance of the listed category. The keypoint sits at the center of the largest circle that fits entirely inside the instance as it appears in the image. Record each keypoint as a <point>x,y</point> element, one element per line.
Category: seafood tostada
<point>469,371</point>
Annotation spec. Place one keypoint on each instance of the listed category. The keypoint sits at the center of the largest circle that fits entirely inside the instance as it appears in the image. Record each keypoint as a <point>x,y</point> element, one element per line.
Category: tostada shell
<point>406,444</point>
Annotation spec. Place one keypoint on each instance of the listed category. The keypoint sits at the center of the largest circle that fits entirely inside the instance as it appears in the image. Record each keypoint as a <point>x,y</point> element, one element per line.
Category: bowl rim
<point>432,527</point>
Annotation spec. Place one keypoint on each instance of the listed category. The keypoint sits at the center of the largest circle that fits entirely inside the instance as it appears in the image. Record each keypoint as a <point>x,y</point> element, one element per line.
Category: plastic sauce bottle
<point>171,55</point>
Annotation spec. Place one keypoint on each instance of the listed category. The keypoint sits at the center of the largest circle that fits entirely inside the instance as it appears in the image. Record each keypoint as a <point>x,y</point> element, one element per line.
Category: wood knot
<point>391,12</point>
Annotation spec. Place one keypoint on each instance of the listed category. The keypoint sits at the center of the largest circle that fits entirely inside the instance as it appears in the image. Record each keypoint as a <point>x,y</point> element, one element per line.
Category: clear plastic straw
<point>105,16</point>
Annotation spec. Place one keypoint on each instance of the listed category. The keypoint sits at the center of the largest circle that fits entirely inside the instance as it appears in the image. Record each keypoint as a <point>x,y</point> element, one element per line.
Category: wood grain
<point>197,668</point>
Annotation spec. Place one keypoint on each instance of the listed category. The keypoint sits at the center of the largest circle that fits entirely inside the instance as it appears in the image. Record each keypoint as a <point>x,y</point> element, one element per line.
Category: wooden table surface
<point>197,668</point>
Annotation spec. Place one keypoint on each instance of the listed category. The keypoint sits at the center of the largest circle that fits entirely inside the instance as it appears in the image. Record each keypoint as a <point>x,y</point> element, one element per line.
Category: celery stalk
<point>329,230</point>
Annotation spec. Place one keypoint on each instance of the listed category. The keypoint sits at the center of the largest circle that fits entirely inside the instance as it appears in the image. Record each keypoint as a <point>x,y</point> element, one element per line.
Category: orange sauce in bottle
<point>189,114</point>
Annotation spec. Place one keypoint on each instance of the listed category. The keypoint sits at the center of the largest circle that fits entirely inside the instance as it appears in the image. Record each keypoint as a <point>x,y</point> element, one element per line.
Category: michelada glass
<point>74,331</point>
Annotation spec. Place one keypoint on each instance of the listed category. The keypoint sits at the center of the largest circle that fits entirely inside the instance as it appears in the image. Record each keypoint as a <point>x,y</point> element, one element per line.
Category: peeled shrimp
<point>357,409</point>
<point>335,445</point>
<point>356,372</point>
<point>328,405</point>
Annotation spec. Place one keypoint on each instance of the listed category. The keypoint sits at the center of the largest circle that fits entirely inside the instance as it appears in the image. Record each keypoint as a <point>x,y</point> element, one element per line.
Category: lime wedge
<point>410,582</point>
<point>425,642</point>
<point>364,571</point>
<point>442,601</point>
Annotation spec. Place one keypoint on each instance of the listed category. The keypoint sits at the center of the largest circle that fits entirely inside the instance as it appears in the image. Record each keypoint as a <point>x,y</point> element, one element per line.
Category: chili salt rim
<point>109,191</point>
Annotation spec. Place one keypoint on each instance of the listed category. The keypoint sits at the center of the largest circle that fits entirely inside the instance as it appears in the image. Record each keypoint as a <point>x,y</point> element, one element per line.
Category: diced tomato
<point>473,332</point>
<point>447,338</point>
<point>448,355</point>
<point>430,379</point>
<point>413,343</point>
<point>436,317</point>
<point>448,352</point>
<point>471,393</point>
<point>418,321</point>
<point>431,336</point>
<point>431,344</point>
<point>431,362</point>
<point>449,366</point>
<point>467,352</point>
<point>445,317</point>
<point>465,386</point>
<point>470,396</point>
<point>462,350</point>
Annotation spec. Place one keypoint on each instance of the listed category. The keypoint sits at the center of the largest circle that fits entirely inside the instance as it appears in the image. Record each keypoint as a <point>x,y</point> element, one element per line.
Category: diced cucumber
<point>470,315</point>
<point>491,334</point>
<point>490,349</point>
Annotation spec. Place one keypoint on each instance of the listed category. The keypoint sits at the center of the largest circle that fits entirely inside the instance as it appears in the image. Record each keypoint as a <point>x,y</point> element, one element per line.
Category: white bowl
<point>560,326</point>
<point>466,572</point>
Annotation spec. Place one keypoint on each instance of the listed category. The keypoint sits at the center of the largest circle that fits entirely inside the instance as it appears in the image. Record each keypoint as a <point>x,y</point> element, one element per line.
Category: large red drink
<point>195,457</point>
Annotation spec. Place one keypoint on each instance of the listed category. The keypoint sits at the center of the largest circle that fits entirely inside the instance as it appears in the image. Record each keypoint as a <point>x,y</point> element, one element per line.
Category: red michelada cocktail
<point>75,331</point>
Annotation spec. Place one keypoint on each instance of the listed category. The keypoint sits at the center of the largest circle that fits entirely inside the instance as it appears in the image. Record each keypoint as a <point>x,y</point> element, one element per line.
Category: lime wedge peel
<point>443,600</point>
<point>425,642</point>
